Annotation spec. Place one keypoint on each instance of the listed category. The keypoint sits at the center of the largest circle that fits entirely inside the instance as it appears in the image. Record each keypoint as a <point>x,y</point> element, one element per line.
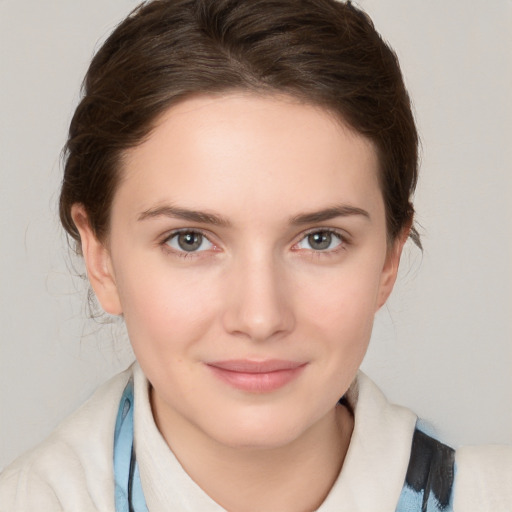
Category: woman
<point>238,180</point>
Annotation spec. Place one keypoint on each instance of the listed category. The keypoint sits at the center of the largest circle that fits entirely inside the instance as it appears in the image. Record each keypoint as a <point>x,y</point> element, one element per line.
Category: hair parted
<point>323,52</point>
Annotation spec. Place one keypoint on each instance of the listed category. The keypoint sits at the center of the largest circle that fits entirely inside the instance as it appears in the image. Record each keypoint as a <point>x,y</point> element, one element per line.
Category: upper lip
<point>251,366</point>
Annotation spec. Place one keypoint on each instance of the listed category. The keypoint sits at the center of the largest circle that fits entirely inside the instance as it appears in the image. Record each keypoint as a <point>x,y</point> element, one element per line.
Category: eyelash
<point>344,242</point>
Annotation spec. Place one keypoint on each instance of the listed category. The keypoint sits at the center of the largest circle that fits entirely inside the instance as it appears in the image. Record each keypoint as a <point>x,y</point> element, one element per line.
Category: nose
<point>258,306</point>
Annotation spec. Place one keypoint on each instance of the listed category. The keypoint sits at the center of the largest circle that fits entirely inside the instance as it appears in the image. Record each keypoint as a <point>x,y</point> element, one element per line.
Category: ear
<point>390,269</point>
<point>97,262</point>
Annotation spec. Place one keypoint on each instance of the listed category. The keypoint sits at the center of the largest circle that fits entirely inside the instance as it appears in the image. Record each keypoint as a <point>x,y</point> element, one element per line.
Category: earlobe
<point>98,263</point>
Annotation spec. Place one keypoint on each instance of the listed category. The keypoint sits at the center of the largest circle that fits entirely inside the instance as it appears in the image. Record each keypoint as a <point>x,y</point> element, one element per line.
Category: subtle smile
<point>256,376</point>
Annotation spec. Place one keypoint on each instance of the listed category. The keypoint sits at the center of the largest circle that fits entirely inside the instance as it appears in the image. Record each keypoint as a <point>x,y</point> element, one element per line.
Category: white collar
<point>375,466</point>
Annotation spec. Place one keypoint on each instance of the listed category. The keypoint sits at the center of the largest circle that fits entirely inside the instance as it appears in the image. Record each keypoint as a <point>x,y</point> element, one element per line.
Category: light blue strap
<point>430,474</point>
<point>129,496</point>
<point>412,501</point>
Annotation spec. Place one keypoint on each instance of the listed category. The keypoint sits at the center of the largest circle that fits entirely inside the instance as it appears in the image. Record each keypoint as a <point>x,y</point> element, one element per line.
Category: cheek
<point>346,296</point>
<point>340,309</point>
<point>165,311</point>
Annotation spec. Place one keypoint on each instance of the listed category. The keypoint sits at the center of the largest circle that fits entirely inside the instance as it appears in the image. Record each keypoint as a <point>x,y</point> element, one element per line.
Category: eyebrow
<point>184,214</point>
<point>328,214</point>
<point>217,220</point>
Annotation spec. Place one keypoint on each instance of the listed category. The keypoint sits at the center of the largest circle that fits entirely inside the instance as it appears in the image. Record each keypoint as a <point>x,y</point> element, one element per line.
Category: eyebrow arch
<point>184,214</point>
<point>328,214</point>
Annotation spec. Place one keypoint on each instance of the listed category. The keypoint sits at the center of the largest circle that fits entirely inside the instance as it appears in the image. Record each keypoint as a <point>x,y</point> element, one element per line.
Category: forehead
<point>251,152</point>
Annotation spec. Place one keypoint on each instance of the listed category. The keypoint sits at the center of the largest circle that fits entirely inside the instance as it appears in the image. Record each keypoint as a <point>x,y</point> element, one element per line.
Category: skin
<point>257,288</point>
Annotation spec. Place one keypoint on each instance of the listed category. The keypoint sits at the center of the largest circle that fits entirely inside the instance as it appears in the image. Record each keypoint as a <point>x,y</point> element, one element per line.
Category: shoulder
<point>72,468</point>
<point>440,479</point>
<point>483,480</point>
<point>429,479</point>
<point>472,478</point>
<point>431,475</point>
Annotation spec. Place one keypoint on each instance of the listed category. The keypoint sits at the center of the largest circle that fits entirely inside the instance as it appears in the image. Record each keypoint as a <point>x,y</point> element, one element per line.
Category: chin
<point>257,441</point>
<point>260,433</point>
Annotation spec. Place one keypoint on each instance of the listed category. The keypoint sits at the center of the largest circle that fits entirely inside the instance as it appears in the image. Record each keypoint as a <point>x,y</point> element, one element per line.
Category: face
<point>248,255</point>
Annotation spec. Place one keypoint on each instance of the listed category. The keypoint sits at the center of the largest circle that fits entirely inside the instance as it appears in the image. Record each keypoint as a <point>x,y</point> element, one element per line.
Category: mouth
<point>256,376</point>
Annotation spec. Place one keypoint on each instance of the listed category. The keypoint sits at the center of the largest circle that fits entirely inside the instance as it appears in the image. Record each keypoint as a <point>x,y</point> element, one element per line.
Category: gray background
<point>441,346</point>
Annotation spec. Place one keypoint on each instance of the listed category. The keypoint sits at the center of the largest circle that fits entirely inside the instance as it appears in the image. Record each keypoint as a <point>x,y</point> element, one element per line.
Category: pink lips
<point>256,376</point>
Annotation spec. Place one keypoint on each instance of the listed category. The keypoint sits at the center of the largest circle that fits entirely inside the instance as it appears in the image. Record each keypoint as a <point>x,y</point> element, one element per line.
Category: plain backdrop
<point>442,345</point>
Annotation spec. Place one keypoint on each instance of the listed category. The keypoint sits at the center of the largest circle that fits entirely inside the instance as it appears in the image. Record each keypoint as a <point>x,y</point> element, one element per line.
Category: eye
<point>323,240</point>
<point>189,241</point>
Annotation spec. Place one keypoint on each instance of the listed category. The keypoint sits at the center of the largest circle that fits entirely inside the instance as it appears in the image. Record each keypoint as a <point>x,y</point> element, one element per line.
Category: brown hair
<point>323,52</point>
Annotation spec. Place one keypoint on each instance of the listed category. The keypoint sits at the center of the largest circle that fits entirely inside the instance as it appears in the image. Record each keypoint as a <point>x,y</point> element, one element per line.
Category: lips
<point>256,376</point>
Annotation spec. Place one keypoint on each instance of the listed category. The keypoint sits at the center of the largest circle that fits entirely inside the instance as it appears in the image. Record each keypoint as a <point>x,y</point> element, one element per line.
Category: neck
<point>294,477</point>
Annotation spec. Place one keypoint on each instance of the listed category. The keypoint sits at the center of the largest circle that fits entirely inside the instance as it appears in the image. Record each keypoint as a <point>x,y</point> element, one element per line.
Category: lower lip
<point>257,382</point>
